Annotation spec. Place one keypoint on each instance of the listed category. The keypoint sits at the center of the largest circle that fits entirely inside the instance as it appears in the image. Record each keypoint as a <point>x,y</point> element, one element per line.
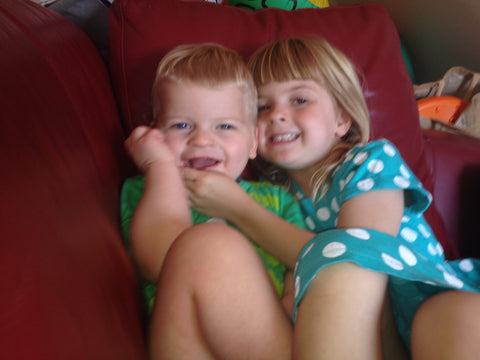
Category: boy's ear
<point>344,121</point>
<point>253,150</point>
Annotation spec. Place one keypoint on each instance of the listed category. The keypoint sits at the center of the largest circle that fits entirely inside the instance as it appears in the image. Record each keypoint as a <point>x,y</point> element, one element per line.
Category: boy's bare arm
<point>163,211</point>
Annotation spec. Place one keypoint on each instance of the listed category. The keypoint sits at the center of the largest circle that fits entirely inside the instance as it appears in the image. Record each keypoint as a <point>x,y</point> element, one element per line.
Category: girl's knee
<point>447,326</point>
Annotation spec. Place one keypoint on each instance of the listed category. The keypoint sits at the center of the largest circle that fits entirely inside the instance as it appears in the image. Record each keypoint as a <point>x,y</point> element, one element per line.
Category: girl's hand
<point>146,146</point>
<point>212,193</point>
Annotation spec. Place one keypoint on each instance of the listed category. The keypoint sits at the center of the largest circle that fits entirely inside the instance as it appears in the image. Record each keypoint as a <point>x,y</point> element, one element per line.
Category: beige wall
<point>438,34</point>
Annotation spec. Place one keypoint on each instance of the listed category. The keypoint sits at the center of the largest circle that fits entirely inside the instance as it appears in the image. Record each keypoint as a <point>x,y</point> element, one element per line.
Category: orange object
<point>444,108</point>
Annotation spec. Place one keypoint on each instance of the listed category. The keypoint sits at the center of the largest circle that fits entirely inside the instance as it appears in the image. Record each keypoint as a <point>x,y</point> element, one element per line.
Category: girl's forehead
<point>290,86</point>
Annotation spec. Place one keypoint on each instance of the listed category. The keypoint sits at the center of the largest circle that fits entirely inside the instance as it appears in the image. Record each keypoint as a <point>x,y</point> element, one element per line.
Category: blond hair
<point>313,58</point>
<point>207,64</point>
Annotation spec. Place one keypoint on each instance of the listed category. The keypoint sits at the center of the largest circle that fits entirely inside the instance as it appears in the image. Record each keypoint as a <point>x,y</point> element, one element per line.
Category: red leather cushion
<point>67,287</point>
<point>142,31</point>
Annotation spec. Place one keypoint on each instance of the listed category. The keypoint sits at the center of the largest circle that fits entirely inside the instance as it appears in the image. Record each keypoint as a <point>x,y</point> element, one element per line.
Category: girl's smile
<point>298,123</point>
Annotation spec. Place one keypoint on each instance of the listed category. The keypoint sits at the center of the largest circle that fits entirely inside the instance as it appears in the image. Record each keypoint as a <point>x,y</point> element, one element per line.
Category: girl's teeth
<point>284,137</point>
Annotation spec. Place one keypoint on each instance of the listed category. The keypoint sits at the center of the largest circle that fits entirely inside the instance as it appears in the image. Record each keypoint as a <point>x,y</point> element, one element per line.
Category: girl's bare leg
<point>447,326</point>
<point>215,301</point>
<point>340,315</point>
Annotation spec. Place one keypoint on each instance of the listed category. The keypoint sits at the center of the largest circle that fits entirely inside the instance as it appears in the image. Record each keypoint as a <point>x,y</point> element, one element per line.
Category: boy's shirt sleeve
<point>132,191</point>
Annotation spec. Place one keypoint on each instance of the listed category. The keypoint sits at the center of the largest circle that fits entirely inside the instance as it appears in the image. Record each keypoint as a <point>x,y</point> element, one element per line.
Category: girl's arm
<point>380,210</point>
<point>217,195</point>
<point>162,212</point>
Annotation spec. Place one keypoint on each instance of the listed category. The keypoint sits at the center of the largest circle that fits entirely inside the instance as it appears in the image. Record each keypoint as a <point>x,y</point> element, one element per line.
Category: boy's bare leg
<point>215,301</point>
<point>447,326</point>
<point>340,315</point>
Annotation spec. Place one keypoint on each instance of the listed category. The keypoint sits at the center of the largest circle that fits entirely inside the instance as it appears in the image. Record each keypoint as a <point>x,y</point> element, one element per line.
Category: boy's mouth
<point>200,163</point>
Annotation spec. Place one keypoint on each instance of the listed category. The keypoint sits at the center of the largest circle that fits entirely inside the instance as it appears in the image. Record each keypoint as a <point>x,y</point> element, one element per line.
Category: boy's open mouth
<point>201,163</point>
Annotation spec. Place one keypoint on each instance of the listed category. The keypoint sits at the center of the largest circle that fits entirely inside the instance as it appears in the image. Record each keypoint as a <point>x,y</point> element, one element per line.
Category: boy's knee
<point>208,243</point>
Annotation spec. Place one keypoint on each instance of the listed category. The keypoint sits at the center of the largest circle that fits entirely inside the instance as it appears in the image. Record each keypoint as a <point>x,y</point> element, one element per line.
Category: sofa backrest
<point>67,287</point>
<point>141,32</point>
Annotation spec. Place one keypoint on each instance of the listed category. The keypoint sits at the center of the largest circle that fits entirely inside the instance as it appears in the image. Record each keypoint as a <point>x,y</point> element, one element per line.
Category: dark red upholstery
<point>67,287</point>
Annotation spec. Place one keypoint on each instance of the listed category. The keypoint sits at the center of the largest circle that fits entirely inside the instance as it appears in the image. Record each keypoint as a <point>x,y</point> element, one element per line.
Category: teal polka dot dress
<point>414,259</point>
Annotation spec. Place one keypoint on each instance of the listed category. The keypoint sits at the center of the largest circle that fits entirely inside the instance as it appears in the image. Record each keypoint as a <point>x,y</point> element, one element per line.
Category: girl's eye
<point>262,108</point>
<point>299,101</point>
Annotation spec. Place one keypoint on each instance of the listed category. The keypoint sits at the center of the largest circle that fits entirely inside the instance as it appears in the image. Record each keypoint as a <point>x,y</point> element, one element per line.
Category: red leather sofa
<point>68,289</point>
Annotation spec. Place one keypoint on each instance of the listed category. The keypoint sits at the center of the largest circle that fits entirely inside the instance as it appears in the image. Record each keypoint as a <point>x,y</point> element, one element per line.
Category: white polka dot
<point>405,219</point>
<point>334,205</point>
<point>297,286</point>
<point>430,197</point>
<point>407,255</point>
<point>389,150</point>
<point>375,166</point>
<point>323,214</point>
<point>299,195</point>
<point>423,229</point>
<point>309,222</point>
<point>360,158</point>
<point>359,233</point>
<point>365,185</point>
<point>440,267</point>
<point>401,182</point>
<point>307,250</point>
<point>432,249</point>
<point>341,184</point>
<point>466,265</point>
<point>408,234</point>
<point>348,157</point>
<point>453,280</point>
<point>404,171</point>
<point>392,262</point>
<point>334,249</point>
<point>439,249</point>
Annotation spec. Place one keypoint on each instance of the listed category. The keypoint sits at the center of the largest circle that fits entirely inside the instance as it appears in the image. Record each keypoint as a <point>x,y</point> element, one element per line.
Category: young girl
<point>367,208</point>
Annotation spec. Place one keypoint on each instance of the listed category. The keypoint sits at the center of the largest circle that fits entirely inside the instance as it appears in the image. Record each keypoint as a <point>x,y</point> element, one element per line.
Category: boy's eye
<point>181,125</point>
<point>226,126</point>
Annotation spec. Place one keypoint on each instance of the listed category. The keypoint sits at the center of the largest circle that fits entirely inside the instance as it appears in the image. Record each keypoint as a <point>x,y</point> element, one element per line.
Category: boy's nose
<point>201,137</point>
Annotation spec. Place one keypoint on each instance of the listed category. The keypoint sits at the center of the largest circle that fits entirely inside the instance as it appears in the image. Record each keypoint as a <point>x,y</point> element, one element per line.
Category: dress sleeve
<point>378,165</point>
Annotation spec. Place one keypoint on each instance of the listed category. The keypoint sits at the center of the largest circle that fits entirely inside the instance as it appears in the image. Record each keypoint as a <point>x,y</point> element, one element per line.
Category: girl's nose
<point>201,137</point>
<point>278,113</point>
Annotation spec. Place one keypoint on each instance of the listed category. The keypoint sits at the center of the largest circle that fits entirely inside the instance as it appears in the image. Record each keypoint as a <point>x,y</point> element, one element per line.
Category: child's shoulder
<point>260,186</point>
<point>380,147</point>
<point>266,190</point>
<point>373,153</point>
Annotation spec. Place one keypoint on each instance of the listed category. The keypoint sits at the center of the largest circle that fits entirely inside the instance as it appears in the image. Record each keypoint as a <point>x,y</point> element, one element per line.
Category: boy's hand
<point>146,146</point>
<point>212,193</point>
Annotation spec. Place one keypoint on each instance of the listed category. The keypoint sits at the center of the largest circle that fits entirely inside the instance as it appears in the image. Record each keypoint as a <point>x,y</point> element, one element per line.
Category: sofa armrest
<point>454,162</point>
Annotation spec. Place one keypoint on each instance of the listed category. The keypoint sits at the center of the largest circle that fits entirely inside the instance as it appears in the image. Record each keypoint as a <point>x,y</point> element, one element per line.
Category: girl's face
<point>298,123</point>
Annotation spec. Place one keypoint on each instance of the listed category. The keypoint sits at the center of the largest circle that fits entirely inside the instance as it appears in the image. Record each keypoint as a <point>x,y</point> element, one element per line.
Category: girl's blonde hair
<point>313,58</point>
<point>207,64</point>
